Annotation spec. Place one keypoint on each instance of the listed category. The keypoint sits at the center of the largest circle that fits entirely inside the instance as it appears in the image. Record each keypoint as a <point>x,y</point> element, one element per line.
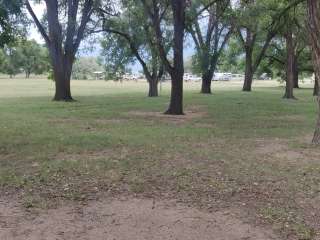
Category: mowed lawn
<point>249,151</point>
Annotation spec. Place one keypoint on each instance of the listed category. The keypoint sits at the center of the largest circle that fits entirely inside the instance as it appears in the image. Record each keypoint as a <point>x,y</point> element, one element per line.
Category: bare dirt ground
<point>134,219</point>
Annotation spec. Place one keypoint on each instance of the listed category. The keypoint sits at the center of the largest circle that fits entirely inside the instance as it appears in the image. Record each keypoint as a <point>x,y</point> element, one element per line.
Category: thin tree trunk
<point>314,32</point>
<point>290,66</point>
<point>295,73</point>
<point>248,77</point>
<point>316,87</point>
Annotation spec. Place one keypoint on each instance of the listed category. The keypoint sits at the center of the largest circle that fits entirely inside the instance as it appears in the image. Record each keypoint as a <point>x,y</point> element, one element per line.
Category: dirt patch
<point>269,147</point>
<point>276,150</point>
<point>193,112</point>
<point>135,219</point>
<point>89,155</point>
<point>86,121</point>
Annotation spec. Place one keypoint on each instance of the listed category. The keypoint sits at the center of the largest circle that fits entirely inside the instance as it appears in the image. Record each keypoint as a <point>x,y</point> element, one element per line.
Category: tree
<point>11,60</point>
<point>232,59</point>
<point>156,10</point>
<point>211,40</point>
<point>255,34</point>
<point>63,38</point>
<point>33,57</point>
<point>314,33</point>
<point>132,39</point>
<point>276,56</point>
<point>290,63</point>
<point>9,12</point>
<point>84,68</point>
<point>292,30</point>
<point>115,56</point>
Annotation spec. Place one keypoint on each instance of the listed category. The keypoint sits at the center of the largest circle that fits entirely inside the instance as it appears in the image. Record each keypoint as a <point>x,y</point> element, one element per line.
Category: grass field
<point>251,151</point>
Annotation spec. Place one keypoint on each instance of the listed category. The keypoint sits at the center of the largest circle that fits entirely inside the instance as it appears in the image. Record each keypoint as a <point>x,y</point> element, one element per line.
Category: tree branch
<point>37,22</point>
<point>86,15</point>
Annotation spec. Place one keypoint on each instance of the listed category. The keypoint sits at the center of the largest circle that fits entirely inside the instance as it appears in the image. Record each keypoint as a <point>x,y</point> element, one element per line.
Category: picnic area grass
<point>232,149</point>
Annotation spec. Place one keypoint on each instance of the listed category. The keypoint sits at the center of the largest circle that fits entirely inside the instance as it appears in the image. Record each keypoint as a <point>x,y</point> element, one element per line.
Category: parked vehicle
<point>222,76</point>
<point>264,76</point>
<point>190,77</point>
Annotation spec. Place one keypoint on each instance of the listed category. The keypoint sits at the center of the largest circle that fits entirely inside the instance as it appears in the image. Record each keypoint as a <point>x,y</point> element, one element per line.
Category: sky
<point>34,34</point>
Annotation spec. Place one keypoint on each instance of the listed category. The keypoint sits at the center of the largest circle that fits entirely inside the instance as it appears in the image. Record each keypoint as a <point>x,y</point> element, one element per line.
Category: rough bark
<point>316,88</point>
<point>289,66</point>
<point>62,77</point>
<point>248,46</point>
<point>314,32</point>
<point>248,76</point>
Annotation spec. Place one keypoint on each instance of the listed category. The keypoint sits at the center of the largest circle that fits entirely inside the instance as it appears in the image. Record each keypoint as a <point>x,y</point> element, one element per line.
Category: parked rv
<point>222,76</point>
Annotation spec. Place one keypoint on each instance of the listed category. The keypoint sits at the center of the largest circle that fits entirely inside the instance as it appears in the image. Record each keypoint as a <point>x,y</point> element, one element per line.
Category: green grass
<point>251,148</point>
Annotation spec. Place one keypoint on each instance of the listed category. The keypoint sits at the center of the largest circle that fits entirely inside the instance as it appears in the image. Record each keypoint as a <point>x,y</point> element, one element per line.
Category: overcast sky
<point>34,34</point>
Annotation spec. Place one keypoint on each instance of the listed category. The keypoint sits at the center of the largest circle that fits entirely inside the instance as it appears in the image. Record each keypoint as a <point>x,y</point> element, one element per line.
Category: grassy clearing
<point>237,149</point>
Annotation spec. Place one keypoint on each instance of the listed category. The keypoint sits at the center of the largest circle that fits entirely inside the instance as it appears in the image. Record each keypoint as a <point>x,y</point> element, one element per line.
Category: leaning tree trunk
<point>295,73</point>
<point>176,73</point>
<point>290,66</point>
<point>314,31</point>
<point>248,77</point>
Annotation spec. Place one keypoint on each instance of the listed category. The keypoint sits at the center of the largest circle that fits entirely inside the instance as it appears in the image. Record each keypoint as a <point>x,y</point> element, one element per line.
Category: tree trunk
<point>290,66</point>
<point>248,77</point>
<point>27,74</point>
<point>296,73</point>
<point>316,135</point>
<point>153,87</point>
<point>176,101</point>
<point>316,87</point>
<point>62,77</point>
<point>314,32</point>
<point>176,73</point>
<point>206,83</point>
